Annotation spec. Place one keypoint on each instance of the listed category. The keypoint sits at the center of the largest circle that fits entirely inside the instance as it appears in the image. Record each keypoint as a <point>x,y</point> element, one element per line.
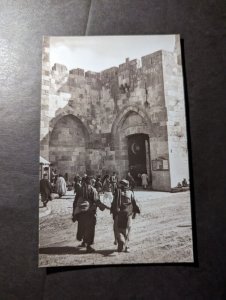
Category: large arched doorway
<point>67,146</point>
<point>131,135</point>
<point>138,155</point>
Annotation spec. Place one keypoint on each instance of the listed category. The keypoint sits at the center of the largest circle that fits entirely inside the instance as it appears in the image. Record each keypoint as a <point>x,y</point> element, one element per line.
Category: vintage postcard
<point>114,176</point>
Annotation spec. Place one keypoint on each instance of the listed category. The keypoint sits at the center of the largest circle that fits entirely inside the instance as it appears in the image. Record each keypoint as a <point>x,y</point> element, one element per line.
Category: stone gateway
<point>129,117</point>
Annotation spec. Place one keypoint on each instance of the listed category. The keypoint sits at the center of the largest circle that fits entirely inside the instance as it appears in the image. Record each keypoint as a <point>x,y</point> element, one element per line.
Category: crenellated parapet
<point>140,96</point>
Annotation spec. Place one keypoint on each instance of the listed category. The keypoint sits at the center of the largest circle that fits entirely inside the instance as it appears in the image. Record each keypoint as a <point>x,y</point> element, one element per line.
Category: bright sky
<point>97,53</point>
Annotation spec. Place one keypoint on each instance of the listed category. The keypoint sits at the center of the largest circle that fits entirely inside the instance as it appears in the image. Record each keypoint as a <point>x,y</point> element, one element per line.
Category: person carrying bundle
<point>84,211</point>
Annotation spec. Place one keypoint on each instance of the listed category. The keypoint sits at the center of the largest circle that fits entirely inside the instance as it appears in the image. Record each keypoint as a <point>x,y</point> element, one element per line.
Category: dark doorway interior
<point>139,155</point>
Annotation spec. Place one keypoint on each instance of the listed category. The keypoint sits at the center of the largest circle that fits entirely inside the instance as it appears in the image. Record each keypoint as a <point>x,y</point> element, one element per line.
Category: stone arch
<point>122,117</point>
<point>131,121</point>
<point>68,142</point>
<point>67,112</point>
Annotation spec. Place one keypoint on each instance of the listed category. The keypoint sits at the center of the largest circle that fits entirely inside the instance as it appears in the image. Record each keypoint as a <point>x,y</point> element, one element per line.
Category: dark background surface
<point>22,25</point>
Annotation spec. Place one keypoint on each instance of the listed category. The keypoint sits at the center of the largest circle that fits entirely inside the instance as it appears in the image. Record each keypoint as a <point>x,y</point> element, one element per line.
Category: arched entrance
<point>67,146</point>
<point>138,155</point>
<point>131,133</point>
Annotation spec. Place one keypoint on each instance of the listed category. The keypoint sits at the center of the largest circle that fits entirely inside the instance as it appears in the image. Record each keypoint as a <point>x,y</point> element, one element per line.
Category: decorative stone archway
<point>133,120</point>
<point>124,114</point>
<point>68,141</point>
<point>71,112</point>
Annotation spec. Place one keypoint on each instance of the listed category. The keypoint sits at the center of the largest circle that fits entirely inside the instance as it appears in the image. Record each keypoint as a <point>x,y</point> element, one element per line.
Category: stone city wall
<point>176,125</point>
<point>87,116</point>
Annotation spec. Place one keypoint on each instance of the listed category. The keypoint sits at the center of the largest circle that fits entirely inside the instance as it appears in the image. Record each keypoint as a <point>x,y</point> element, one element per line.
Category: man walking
<point>84,211</point>
<point>45,190</point>
<point>123,208</point>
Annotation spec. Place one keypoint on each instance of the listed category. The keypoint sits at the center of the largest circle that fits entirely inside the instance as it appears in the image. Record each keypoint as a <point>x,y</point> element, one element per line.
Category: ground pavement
<point>162,233</point>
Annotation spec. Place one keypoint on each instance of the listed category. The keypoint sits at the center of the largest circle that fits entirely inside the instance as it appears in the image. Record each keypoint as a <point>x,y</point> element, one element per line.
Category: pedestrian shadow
<point>73,251</point>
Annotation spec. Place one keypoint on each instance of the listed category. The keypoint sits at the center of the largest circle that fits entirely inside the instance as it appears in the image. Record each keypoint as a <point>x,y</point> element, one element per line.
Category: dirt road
<point>161,234</point>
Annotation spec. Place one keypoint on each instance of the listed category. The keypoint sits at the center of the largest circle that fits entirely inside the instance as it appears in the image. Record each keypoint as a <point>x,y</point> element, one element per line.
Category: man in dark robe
<point>45,189</point>
<point>84,211</point>
<point>98,185</point>
<point>114,181</point>
<point>124,208</point>
<point>77,184</point>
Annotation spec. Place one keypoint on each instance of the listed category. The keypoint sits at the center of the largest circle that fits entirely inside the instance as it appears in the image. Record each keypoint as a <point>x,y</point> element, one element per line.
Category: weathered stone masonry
<point>87,117</point>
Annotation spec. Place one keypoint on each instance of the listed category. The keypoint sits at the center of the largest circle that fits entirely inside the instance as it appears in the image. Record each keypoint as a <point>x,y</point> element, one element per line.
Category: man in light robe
<point>61,186</point>
<point>144,179</point>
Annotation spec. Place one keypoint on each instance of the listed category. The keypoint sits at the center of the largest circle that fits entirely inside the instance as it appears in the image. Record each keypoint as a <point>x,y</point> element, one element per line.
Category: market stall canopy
<point>43,161</point>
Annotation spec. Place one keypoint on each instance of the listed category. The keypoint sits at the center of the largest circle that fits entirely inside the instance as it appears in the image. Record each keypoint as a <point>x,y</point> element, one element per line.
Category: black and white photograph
<point>113,169</point>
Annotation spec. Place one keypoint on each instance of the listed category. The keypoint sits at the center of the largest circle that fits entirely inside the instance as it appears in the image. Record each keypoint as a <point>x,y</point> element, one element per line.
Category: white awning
<point>43,161</point>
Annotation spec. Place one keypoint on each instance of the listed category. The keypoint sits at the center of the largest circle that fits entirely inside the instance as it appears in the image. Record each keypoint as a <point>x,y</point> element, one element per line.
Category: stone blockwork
<point>44,126</point>
<point>68,144</point>
<point>174,99</point>
<point>87,117</point>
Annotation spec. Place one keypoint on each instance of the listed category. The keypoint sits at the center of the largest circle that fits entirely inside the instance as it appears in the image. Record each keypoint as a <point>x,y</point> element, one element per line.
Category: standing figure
<point>114,181</point>
<point>84,177</point>
<point>98,185</point>
<point>61,187</point>
<point>144,178</point>
<point>53,176</point>
<point>66,178</point>
<point>131,180</point>
<point>76,177</point>
<point>123,208</point>
<point>107,189</point>
<point>45,190</point>
<point>184,182</point>
<point>84,211</point>
<point>77,184</point>
<point>93,181</point>
<point>139,179</point>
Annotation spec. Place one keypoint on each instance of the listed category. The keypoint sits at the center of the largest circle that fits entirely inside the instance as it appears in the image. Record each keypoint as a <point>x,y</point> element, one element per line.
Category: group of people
<point>59,184</point>
<point>142,180</point>
<point>105,185</point>
<point>105,192</point>
<point>122,206</point>
<point>48,188</point>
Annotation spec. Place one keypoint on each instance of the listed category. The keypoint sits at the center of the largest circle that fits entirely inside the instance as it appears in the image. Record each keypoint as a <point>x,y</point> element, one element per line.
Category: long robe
<point>123,207</point>
<point>45,190</point>
<point>87,219</point>
<point>144,178</point>
<point>61,187</point>
<point>86,227</point>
